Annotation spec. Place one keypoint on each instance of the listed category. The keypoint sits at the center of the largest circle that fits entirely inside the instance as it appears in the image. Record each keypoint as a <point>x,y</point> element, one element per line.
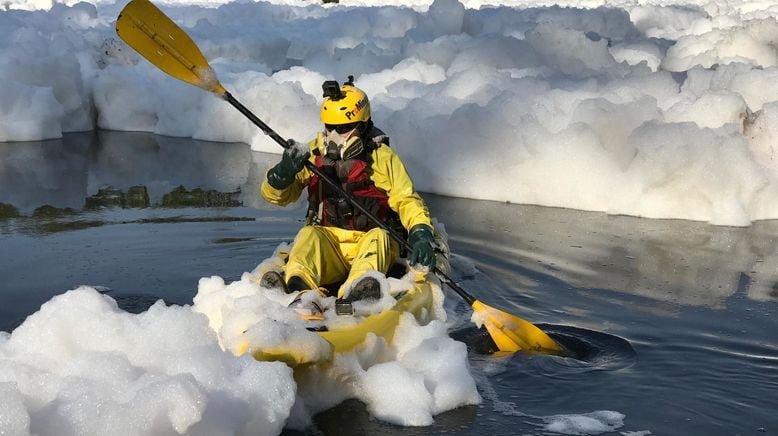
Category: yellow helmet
<point>344,104</point>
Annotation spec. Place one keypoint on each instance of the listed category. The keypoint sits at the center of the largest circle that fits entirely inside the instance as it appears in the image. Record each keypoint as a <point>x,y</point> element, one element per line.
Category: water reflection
<point>667,261</point>
<point>675,261</point>
<point>126,169</point>
<point>162,164</point>
<point>52,172</point>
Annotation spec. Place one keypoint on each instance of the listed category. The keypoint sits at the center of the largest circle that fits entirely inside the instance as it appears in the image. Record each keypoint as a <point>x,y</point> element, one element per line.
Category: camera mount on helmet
<point>332,90</point>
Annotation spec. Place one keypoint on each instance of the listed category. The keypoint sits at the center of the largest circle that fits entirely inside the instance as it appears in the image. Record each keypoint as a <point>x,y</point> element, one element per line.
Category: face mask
<point>342,146</point>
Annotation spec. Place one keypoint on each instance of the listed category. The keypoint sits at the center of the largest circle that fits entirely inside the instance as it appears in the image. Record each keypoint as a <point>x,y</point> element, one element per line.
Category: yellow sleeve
<point>389,175</point>
<point>291,193</point>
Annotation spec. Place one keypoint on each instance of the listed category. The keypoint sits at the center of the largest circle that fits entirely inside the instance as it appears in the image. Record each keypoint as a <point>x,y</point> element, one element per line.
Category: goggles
<point>341,128</point>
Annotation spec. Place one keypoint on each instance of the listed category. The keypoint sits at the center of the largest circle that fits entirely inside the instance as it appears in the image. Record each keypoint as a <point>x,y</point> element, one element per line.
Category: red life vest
<point>327,208</point>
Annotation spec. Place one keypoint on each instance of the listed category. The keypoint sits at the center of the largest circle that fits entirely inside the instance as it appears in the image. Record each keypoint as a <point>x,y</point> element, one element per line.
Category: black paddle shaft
<point>316,170</point>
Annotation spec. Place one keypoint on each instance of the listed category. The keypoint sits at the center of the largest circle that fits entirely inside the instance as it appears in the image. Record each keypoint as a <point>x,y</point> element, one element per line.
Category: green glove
<point>293,160</point>
<point>420,239</point>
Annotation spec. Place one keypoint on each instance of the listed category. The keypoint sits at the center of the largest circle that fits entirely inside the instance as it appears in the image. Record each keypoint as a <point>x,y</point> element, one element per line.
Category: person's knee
<point>384,241</point>
<point>310,234</point>
<point>379,235</point>
<point>307,232</point>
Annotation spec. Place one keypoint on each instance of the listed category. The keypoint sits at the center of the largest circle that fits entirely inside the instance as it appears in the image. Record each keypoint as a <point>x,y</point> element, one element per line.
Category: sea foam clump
<point>422,373</point>
<point>80,365</point>
<point>602,421</point>
<point>248,318</point>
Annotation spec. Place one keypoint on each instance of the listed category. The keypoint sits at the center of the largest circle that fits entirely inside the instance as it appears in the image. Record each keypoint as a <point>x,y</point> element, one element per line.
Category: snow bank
<point>526,102</point>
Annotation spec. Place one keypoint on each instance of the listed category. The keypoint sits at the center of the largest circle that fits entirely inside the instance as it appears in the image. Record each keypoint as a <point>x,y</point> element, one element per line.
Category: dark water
<point>674,321</point>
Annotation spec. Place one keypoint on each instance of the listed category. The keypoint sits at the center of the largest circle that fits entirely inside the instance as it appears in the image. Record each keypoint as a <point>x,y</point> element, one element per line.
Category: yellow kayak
<point>417,301</point>
<point>343,337</point>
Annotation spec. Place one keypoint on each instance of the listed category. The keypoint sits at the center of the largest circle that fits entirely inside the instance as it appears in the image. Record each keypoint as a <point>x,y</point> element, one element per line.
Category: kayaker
<point>338,242</point>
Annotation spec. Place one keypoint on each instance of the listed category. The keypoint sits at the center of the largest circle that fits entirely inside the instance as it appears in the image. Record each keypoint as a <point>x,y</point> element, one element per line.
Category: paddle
<point>157,38</point>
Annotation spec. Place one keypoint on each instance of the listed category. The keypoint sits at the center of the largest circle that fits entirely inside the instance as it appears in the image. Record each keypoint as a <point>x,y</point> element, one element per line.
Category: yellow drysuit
<point>325,255</point>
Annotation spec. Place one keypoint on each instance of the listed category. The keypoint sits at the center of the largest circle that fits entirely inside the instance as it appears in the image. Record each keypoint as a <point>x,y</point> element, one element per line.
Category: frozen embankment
<point>657,111</point>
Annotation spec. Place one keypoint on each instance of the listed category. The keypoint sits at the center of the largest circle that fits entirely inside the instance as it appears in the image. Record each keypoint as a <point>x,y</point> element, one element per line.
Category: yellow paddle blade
<point>512,333</point>
<point>157,38</point>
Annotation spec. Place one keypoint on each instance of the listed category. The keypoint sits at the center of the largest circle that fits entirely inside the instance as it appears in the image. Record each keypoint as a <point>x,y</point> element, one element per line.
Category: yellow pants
<point>322,256</point>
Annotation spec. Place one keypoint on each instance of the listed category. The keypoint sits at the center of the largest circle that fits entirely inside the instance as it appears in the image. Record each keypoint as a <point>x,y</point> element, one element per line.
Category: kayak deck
<point>417,301</point>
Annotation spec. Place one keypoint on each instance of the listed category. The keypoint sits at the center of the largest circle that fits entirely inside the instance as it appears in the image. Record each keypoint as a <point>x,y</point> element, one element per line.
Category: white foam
<point>397,395</point>
<point>22,121</point>
<point>591,423</point>
<point>447,379</point>
<point>424,374</point>
<point>480,102</point>
<point>249,319</point>
<point>80,365</point>
<point>602,421</point>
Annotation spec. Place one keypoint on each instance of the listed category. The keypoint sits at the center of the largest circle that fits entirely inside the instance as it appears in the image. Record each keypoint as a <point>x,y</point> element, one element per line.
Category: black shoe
<point>273,280</point>
<point>367,288</point>
<point>296,284</point>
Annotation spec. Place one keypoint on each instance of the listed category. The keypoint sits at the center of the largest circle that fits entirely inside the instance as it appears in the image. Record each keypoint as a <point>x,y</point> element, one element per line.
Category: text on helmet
<point>357,108</point>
